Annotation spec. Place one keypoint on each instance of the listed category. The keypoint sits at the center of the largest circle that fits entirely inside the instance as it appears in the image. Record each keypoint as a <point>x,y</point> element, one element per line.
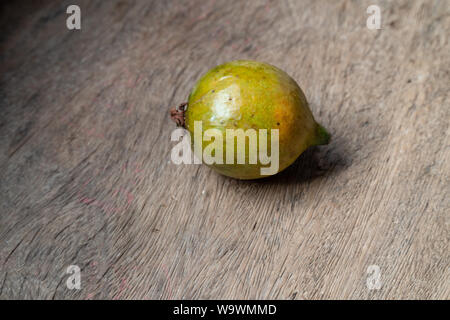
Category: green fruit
<point>253,95</point>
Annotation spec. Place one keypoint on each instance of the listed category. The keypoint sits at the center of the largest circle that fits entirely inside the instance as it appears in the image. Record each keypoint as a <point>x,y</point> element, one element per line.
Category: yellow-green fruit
<point>253,95</point>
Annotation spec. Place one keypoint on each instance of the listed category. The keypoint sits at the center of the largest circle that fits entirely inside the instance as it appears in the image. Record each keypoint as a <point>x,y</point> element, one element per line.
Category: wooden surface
<point>86,177</point>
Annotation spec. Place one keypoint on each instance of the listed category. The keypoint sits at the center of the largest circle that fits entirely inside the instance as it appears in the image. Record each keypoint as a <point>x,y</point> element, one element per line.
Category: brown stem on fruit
<point>177,114</point>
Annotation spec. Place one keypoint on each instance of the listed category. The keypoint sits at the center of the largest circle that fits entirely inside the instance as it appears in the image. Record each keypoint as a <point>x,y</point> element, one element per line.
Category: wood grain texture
<point>86,177</point>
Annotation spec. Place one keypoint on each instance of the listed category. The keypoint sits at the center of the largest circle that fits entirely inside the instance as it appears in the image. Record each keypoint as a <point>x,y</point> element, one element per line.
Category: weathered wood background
<point>86,177</point>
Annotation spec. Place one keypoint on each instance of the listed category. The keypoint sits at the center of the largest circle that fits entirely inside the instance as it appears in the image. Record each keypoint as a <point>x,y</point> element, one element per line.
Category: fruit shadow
<point>316,162</point>
<point>312,164</point>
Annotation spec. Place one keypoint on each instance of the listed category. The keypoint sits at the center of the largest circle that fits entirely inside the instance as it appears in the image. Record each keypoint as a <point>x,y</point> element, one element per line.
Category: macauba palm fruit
<point>250,95</point>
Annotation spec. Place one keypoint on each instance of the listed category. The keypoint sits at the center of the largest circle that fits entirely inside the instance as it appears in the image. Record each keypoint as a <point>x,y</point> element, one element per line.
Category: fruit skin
<point>249,94</point>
